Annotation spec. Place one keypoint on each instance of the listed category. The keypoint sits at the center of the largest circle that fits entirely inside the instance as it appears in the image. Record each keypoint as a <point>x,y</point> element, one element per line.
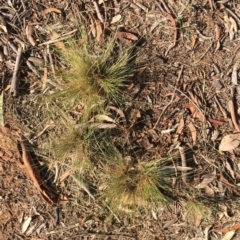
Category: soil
<point>190,52</point>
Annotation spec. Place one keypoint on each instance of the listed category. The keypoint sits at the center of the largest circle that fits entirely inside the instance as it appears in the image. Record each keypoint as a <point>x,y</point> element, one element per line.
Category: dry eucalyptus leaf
<point>127,35</point>
<point>207,179</point>
<point>230,142</point>
<point>215,135</point>
<point>26,224</point>
<point>228,235</point>
<point>102,117</point>
<point>116,18</point>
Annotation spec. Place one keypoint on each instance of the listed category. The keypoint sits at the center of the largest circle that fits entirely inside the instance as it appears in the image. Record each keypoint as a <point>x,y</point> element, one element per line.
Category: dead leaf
<point>127,35</point>
<point>29,33</point>
<point>49,10</point>
<point>215,135</point>
<point>228,235</point>
<point>209,191</point>
<point>230,26</point>
<point>208,178</point>
<point>36,61</point>
<point>116,18</point>
<point>46,192</point>
<point>218,32</point>
<point>215,122</point>
<point>26,224</point>
<point>230,142</point>
<point>194,40</point>
<point>195,112</point>
<point>54,35</point>
<point>179,130</point>
<point>198,220</point>
<point>193,131</point>
<point>99,30</point>
<point>103,117</point>
<point>233,114</point>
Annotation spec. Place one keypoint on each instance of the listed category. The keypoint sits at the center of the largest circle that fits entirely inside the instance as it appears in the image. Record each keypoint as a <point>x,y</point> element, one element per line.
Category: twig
<point>224,112</point>
<point>14,84</point>
<point>164,110</point>
<point>98,11</point>
<point>51,61</point>
<point>65,36</point>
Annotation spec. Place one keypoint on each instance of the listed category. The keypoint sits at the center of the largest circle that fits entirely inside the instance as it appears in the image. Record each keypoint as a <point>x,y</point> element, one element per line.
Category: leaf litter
<point>147,100</point>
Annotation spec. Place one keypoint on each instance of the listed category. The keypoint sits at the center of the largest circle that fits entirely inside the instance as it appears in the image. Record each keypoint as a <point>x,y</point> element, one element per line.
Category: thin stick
<point>65,36</point>
<point>14,84</point>
<point>51,61</point>
<point>98,11</point>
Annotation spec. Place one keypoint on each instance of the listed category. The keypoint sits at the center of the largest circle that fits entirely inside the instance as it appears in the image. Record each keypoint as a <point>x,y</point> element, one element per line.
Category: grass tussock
<point>91,74</point>
<point>146,183</point>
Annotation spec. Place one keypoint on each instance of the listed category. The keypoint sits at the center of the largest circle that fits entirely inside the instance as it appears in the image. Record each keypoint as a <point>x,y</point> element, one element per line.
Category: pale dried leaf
<point>233,25</point>
<point>234,78</point>
<point>29,32</point>
<point>198,220</point>
<point>229,142</point>
<point>36,61</point>
<point>179,130</point>
<point>207,179</point>
<point>229,168</point>
<point>99,30</point>
<point>228,235</point>
<point>227,23</point>
<point>26,224</point>
<point>215,135</point>
<point>209,192</point>
<point>31,229</point>
<point>103,117</point>
<point>116,18</point>
<point>154,215</point>
<point>38,230</point>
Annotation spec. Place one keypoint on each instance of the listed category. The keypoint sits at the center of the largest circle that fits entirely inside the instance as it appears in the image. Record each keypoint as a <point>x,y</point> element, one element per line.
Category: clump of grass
<point>129,188</point>
<point>100,73</point>
<point>73,148</point>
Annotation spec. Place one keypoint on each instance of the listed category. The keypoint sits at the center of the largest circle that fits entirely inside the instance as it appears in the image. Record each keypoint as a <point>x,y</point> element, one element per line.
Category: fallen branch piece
<point>14,85</point>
